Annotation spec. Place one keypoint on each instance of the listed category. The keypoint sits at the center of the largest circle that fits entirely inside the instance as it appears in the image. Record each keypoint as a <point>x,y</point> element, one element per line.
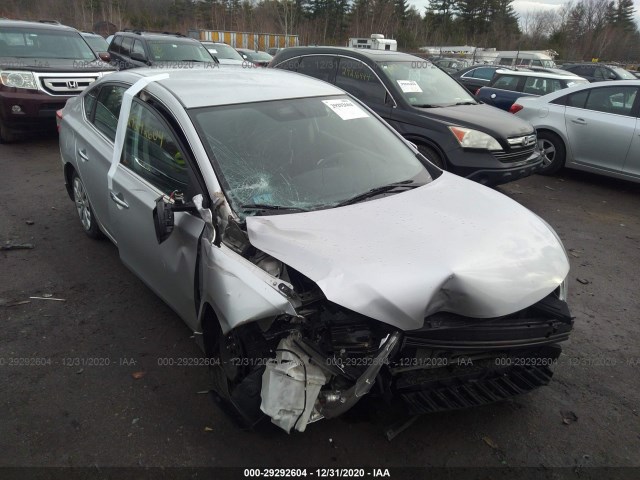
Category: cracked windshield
<point>304,154</point>
<point>424,85</point>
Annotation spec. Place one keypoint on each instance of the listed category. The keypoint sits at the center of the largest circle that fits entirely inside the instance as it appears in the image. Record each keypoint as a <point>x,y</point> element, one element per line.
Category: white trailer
<point>375,42</point>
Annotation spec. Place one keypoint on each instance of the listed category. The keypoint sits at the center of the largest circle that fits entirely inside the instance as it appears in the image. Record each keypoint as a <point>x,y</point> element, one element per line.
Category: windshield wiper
<point>264,206</point>
<point>377,191</point>
<point>468,102</point>
<point>425,105</point>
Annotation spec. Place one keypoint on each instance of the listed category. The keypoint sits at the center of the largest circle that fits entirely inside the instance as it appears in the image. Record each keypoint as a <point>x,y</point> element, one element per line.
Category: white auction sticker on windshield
<point>345,109</point>
<point>409,86</point>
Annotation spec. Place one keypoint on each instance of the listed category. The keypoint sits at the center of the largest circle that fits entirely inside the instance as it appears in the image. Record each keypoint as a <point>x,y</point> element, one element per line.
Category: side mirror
<point>138,57</point>
<point>612,76</point>
<point>105,56</point>
<point>163,219</point>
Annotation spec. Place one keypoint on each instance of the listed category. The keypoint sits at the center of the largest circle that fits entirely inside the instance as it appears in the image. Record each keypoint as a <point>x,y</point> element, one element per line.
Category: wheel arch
<point>69,170</point>
<point>561,136</point>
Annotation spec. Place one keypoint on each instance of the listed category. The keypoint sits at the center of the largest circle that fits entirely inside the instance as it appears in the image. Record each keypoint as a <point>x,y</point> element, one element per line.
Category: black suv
<point>42,65</point>
<point>427,107</point>
<point>135,48</point>
<point>598,72</point>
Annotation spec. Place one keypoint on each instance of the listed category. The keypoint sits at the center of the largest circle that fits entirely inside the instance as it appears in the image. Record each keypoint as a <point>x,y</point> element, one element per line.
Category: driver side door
<point>155,162</point>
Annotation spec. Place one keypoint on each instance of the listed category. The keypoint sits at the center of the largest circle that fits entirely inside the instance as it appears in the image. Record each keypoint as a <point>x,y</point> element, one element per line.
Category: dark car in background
<point>598,72</point>
<point>42,65</point>
<point>476,76</point>
<point>452,65</point>
<point>98,44</point>
<point>135,48</point>
<point>509,85</point>
<point>427,107</point>
<point>257,57</point>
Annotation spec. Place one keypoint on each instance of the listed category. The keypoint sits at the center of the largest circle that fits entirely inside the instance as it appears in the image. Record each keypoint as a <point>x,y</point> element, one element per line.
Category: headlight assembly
<point>17,79</point>
<point>469,138</point>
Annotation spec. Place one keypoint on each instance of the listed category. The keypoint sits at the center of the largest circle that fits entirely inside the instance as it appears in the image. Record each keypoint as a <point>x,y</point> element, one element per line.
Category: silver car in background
<point>593,127</point>
<point>323,261</point>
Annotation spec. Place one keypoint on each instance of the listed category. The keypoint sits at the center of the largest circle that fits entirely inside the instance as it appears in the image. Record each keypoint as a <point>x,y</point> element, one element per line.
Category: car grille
<point>480,391</point>
<point>65,85</point>
<point>520,149</point>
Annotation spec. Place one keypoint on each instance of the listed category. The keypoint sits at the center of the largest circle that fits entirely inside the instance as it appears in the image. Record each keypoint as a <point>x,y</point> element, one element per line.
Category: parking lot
<point>83,383</point>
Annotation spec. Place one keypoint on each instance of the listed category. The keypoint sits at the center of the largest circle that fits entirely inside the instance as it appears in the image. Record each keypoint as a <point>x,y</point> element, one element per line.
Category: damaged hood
<point>452,245</point>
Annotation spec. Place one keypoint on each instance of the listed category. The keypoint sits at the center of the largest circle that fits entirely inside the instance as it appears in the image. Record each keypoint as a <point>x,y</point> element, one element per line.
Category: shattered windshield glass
<point>303,154</point>
<point>424,85</point>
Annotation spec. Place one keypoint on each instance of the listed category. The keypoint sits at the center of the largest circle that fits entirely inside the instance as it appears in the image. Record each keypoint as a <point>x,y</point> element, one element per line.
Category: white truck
<point>375,42</point>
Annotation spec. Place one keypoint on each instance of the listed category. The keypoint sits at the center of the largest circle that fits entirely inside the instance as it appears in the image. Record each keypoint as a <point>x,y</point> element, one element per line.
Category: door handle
<point>117,198</point>
<point>82,153</point>
<point>579,121</point>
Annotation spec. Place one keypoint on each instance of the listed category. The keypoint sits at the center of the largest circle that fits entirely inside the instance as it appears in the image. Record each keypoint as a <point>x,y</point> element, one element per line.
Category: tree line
<point>579,30</point>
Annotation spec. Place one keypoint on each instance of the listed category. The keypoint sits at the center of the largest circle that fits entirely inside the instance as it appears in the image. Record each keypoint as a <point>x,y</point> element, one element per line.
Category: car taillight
<point>477,91</point>
<point>58,118</point>
<point>515,108</point>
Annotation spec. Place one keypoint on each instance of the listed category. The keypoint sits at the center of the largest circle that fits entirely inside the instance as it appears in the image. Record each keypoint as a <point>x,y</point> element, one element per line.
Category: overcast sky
<point>523,6</point>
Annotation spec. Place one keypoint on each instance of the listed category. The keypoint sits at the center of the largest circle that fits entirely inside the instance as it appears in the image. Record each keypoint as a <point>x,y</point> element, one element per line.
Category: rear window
<point>43,43</point>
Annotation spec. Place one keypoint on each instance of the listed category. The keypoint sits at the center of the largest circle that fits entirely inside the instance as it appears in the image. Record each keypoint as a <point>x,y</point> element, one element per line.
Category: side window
<point>600,73</point>
<point>359,80</point>
<point>484,73</point>
<point>534,86</point>
<point>577,99</point>
<point>322,67</point>
<point>506,61</point>
<point>126,46</point>
<point>89,101</point>
<point>138,48</point>
<point>152,151</point>
<point>291,64</point>
<point>116,45</point>
<point>618,100</point>
<point>108,110</point>
<point>506,82</point>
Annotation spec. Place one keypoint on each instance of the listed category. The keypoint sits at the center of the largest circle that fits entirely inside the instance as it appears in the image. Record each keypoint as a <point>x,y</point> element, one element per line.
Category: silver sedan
<point>321,259</point>
<point>593,127</point>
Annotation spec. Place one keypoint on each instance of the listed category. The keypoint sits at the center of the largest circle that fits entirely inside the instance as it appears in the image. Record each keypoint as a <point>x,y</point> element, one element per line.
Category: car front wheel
<point>433,156</point>
<point>83,207</point>
<point>553,152</point>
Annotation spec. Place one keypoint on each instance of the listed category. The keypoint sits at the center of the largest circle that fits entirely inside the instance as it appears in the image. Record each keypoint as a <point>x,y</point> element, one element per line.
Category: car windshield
<point>43,43</point>
<point>171,51</point>
<point>424,85</point>
<point>97,43</point>
<point>220,50</point>
<point>303,154</point>
<point>624,74</point>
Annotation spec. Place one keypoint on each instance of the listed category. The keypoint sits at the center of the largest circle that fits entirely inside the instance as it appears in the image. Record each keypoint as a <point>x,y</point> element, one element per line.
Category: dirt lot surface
<point>84,407</point>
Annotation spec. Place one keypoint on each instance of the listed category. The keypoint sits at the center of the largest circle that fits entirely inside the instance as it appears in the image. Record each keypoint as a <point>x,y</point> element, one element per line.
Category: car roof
<point>228,85</point>
<point>43,25</point>
<point>585,86</point>
<point>533,73</point>
<point>156,35</point>
<point>374,55</point>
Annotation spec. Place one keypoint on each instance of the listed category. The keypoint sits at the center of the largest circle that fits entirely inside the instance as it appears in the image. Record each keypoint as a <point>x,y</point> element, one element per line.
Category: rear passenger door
<point>322,67</point>
<point>94,145</point>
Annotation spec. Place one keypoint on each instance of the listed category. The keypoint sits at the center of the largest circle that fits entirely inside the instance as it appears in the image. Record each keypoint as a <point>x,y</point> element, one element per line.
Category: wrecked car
<point>322,262</point>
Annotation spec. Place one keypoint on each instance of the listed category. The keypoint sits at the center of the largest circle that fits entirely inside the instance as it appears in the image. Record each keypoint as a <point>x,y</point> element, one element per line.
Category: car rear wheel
<point>433,156</point>
<point>83,207</point>
<point>553,152</point>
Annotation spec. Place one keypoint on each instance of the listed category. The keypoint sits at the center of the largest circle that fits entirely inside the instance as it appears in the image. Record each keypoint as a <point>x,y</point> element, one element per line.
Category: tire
<point>6,135</point>
<point>83,207</point>
<point>554,152</point>
<point>433,156</point>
